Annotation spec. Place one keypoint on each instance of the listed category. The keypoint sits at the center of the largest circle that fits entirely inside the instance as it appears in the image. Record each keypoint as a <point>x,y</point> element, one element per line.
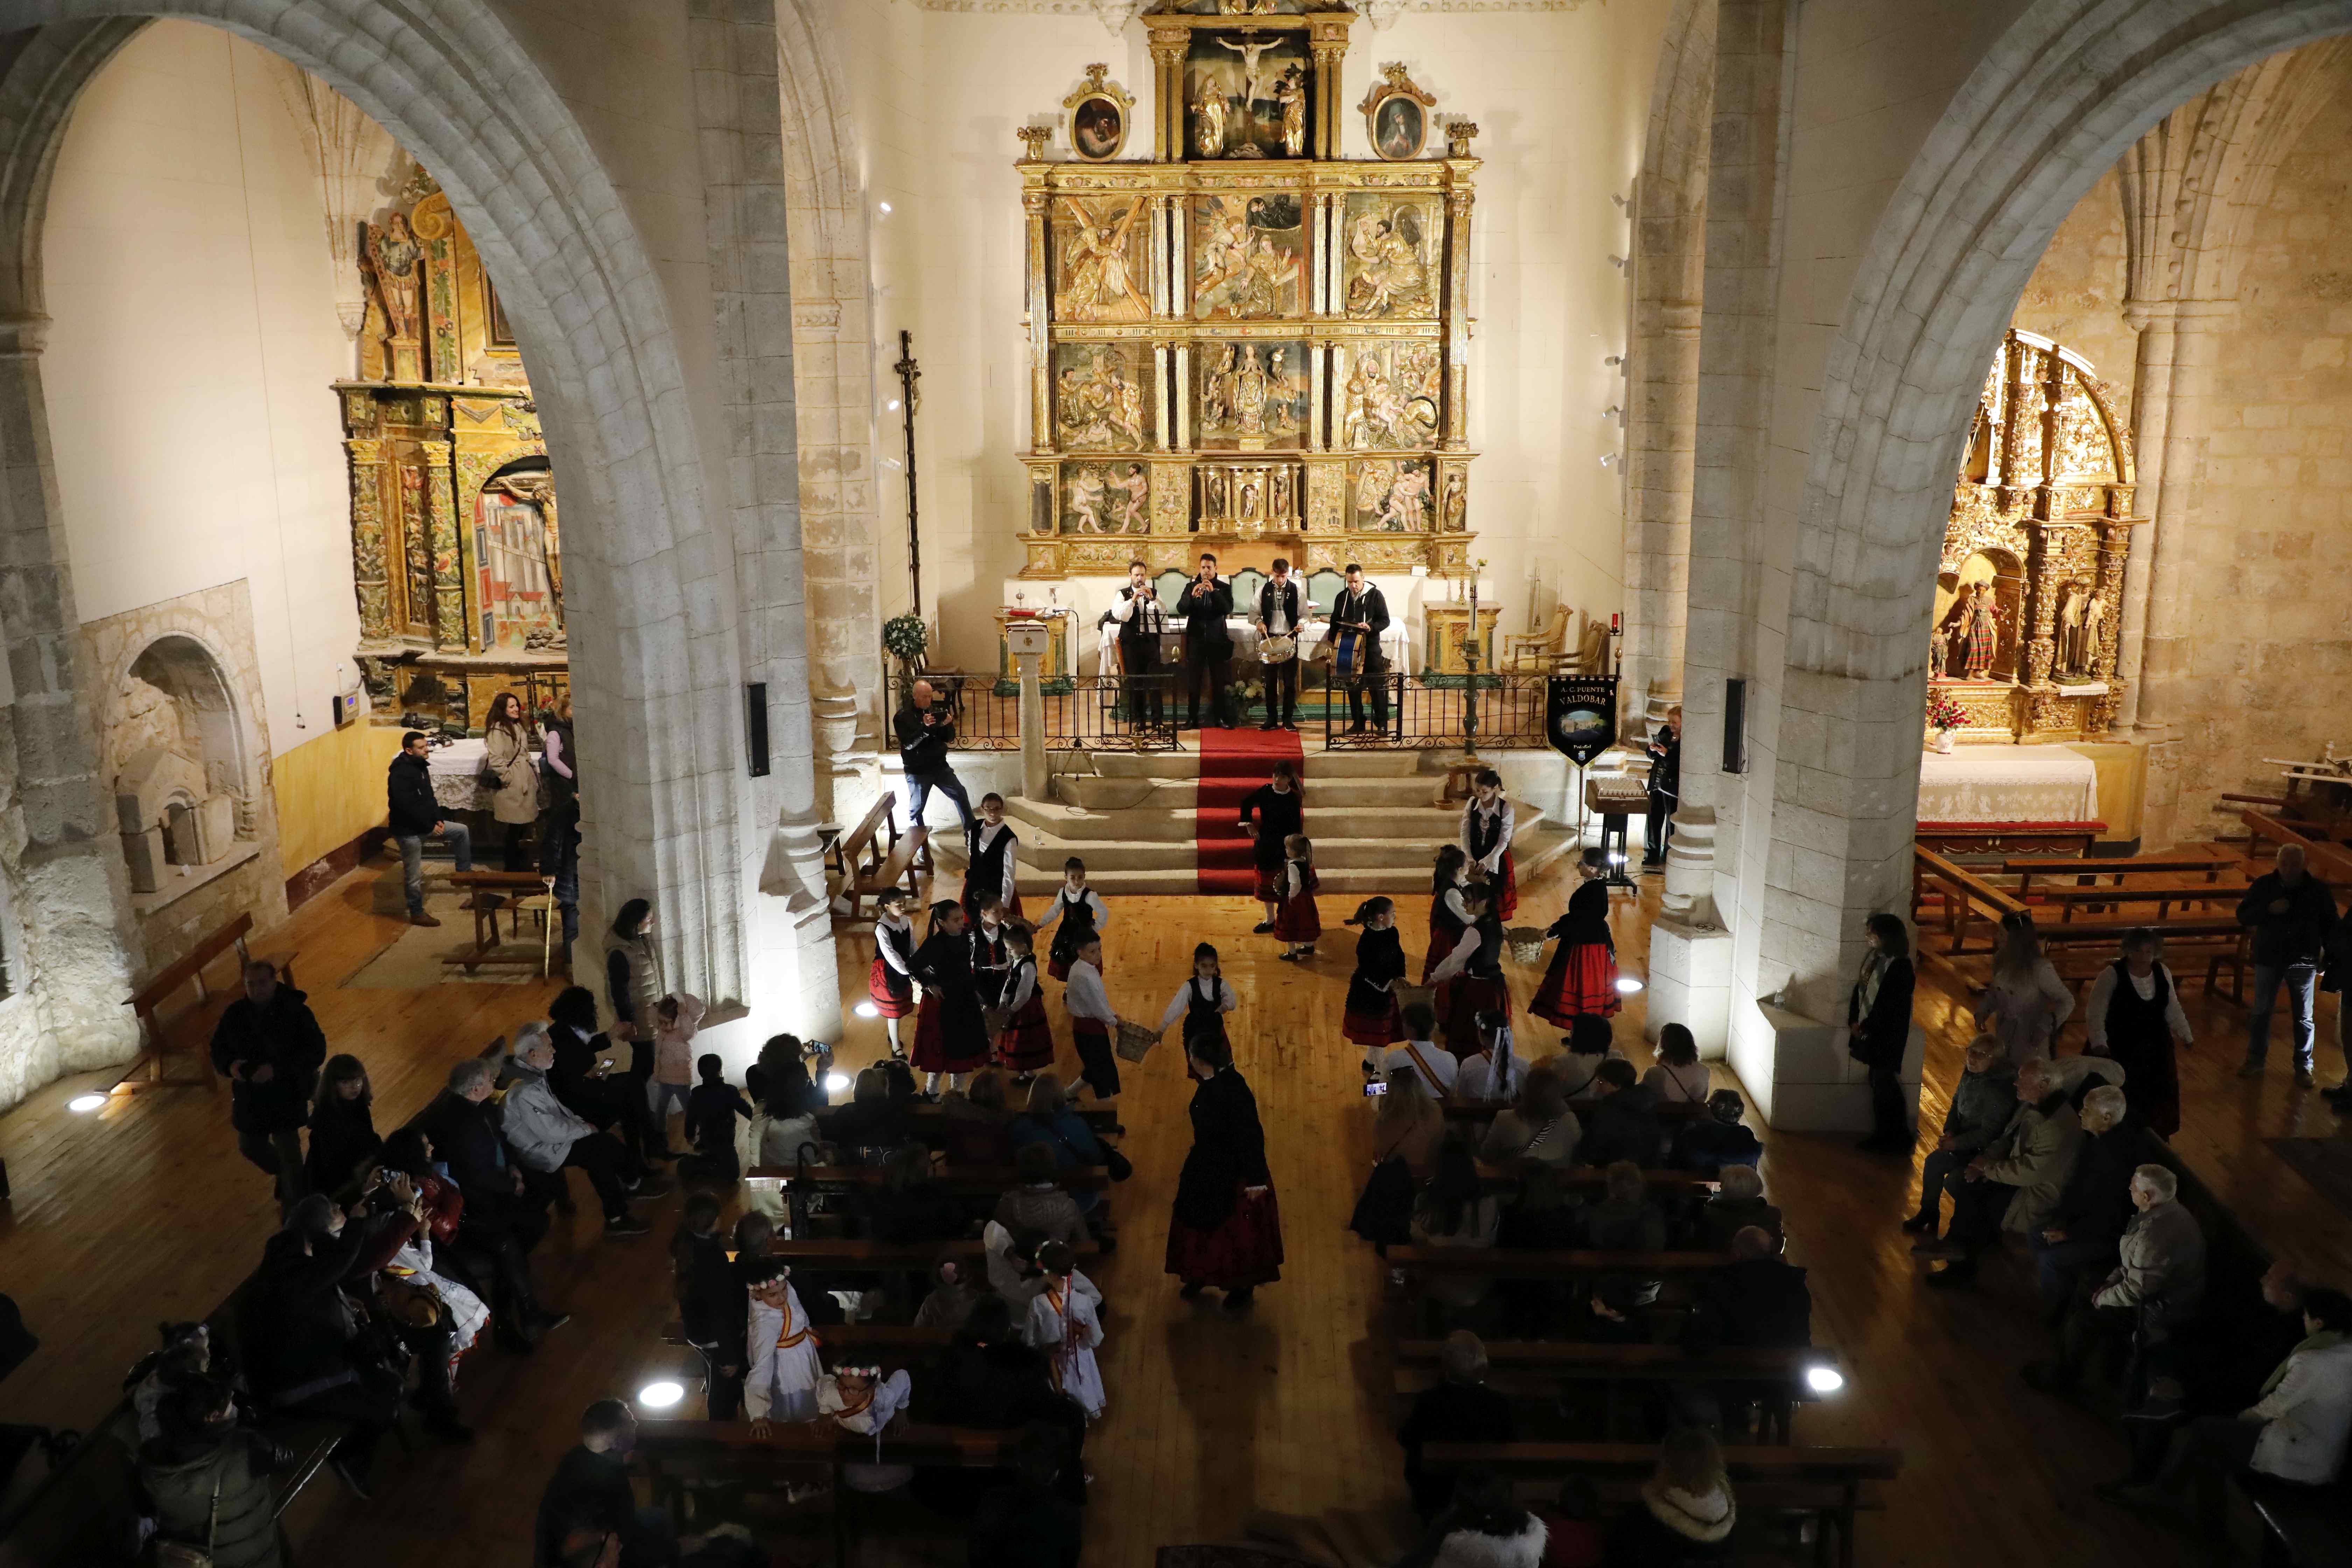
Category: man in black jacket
<point>1280,614</point>
<point>1142,619</point>
<point>1205,603</point>
<point>1460,1409</point>
<point>924,727</point>
<point>590,1492</point>
<point>463,1127</point>
<point>270,1049</point>
<point>1665,788</point>
<point>1878,1026</point>
<point>1362,609</point>
<point>2079,1237</point>
<point>616,1104</point>
<point>1758,1300</point>
<point>416,817</point>
<point>2291,912</point>
<point>1624,1125</point>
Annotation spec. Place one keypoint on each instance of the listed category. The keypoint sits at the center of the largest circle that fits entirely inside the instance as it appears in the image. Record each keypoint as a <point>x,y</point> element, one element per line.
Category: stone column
<point>1029,645</point>
<point>1458,197</point>
<point>1666,402</point>
<point>1041,305</point>
<point>1168,45</point>
<point>2154,321</point>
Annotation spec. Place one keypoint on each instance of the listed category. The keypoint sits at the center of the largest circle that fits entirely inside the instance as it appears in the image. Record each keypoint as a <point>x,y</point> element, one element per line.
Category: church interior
<point>1796,546</point>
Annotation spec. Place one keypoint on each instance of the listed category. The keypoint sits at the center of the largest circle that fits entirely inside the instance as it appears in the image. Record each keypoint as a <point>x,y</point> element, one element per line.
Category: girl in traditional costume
<point>1370,1019</point>
<point>1066,1323</point>
<point>951,1032</point>
<point>1470,981</point>
<point>1296,921</point>
<point>1448,915</point>
<point>1227,1227</point>
<point>1487,827</point>
<point>891,980</point>
<point>1202,1001</point>
<point>1026,1043</point>
<point>780,1349</point>
<point>988,872</point>
<point>1081,914</point>
<point>1582,977</point>
<point>861,1400</point>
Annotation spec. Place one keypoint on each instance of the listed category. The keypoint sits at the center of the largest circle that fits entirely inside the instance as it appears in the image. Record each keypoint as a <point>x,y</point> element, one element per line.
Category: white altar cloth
<point>453,769</point>
<point>2007,784</point>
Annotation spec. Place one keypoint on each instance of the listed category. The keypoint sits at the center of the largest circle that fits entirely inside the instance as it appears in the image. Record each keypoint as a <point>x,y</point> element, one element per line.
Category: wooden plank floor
<point>146,1212</point>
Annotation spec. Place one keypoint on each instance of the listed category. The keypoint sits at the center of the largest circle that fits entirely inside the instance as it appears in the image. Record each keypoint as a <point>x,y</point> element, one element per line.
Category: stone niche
<point>184,750</point>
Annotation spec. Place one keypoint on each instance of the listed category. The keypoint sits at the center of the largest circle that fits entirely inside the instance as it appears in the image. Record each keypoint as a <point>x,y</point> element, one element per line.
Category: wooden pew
<point>1966,899</point>
<point>2163,895</point>
<point>2087,870</point>
<point>156,1033</point>
<point>1826,1483</point>
<point>842,1257</point>
<point>1101,1115</point>
<point>1589,1180</point>
<point>1529,1263</point>
<point>1672,1110</point>
<point>963,1181</point>
<point>1543,1366</point>
<point>874,855</point>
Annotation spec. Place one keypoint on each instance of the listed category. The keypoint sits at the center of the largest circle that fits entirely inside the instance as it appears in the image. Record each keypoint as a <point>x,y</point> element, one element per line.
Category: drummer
<point>1282,612</point>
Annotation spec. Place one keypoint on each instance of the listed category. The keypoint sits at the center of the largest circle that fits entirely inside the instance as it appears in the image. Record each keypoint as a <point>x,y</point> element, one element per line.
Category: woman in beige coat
<point>516,804</point>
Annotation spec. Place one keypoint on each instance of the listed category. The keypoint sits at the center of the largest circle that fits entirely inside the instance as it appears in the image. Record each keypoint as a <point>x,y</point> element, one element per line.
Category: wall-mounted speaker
<point>755,726</point>
<point>1735,726</point>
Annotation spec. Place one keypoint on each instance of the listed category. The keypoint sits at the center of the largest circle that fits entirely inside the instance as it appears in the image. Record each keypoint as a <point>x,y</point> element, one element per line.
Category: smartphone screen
<point>1376,1088</point>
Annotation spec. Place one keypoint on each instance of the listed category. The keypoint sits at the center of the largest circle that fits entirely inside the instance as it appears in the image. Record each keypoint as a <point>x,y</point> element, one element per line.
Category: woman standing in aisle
<point>2026,1003</point>
<point>1878,1023</point>
<point>1582,978</point>
<point>1370,1020</point>
<point>507,752</point>
<point>1486,827</point>
<point>1202,1001</point>
<point>1226,1231</point>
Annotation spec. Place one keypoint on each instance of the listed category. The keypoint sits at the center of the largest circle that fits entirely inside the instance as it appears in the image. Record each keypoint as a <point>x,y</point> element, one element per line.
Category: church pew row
<point>1533,1263</point>
<point>1588,1180</point>
<point>839,1257</point>
<point>1540,1370</point>
<point>1100,1114</point>
<point>963,1181</point>
<point>1828,1485</point>
<point>1461,1110</point>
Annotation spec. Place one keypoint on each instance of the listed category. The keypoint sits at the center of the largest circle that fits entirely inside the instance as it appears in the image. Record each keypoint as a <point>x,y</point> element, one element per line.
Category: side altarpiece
<point>1248,344</point>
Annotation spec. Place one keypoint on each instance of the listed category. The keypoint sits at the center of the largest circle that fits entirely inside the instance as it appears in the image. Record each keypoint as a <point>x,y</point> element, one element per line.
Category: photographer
<point>924,727</point>
<point>1141,618</point>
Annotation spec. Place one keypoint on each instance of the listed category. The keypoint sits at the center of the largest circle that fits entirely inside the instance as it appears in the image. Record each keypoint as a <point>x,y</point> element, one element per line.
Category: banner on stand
<point>1581,716</point>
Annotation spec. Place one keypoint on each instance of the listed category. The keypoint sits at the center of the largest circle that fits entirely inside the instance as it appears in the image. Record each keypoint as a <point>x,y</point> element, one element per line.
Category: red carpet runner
<point>1233,763</point>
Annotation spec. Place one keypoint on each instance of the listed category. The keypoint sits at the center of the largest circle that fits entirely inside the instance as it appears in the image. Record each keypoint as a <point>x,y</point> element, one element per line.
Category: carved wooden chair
<point>1537,652</point>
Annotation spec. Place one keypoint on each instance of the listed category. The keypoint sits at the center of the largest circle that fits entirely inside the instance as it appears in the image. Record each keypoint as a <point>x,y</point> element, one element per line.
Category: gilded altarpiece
<point>1248,344</point>
<point>2028,589</point>
<point>456,551</point>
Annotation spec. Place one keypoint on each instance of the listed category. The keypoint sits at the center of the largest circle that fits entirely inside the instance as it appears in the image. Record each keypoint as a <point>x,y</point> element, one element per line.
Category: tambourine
<point>1278,650</point>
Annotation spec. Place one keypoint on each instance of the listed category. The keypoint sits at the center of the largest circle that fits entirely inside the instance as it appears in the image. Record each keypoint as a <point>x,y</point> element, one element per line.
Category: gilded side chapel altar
<point>1248,344</point>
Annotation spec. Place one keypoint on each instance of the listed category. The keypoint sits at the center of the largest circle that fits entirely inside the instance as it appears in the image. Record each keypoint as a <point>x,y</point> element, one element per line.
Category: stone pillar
<point>2151,415</point>
<point>1657,579</point>
<point>1029,645</point>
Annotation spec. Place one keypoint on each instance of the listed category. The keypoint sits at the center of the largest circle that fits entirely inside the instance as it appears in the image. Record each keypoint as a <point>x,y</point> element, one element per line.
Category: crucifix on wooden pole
<point>909,372</point>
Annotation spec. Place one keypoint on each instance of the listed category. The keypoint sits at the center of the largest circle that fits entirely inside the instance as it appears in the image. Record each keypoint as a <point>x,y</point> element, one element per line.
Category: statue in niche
<point>2072,600</point>
<point>515,551</point>
<point>1208,120</point>
<point>2086,661</point>
<point>1291,92</point>
<point>1279,493</point>
<point>1939,649</point>
<point>393,253</point>
<point>1253,71</point>
<point>1457,505</point>
<point>1981,633</point>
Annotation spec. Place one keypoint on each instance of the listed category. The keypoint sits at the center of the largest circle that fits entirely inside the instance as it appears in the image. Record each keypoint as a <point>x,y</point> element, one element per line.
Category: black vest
<point>1483,830</point>
<point>986,873</point>
<point>1487,962</point>
<point>2131,1020</point>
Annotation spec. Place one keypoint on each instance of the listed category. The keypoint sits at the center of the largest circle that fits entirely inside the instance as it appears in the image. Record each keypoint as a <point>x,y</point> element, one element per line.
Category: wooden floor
<point>145,1212</point>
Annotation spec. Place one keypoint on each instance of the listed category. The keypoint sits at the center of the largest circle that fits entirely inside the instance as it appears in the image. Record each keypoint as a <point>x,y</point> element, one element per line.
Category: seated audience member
<point>2153,1294</point>
<point>1038,1204</point>
<point>1542,1217</point>
<point>1738,1204</point>
<point>711,1106</point>
<point>1679,1075</point>
<point>1408,1124</point>
<point>270,1049</point>
<point>952,1296</point>
<point>616,1103</point>
<point>1455,1210</point>
<point>1685,1511</point>
<point>1483,1527</point>
<point>1539,1126</point>
<point>433,1316</point>
<point>342,1128</point>
<point>484,1250</point>
<point>873,1122</point>
<point>590,1491</point>
<point>1460,1409</point>
<point>2297,1431</point>
<point>186,1356</point>
<point>2015,1184</point>
<point>993,1379</point>
<point>1982,1104</point>
<point>206,1476</point>
<point>1436,1065</point>
<point>1758,1300</point>
<point>1590,1041</point>
<point>2079,1237</point>
<point>1624,1220</point>
<point>786,1129</point>
<point>549,1139</point>
<point>305,1352</point>
<point>1027,1523</point>
<point>910,1207</point>
<point>1012,1271</point>
<point>977,1126</point>
<point>1624,1124</point>
<point>1049,1120</point>
<point>1573,1534</point>
<point>711,1303</point>
<point>1494,1071</point>
<point>464,1127</point>
<point>1719,1141</point>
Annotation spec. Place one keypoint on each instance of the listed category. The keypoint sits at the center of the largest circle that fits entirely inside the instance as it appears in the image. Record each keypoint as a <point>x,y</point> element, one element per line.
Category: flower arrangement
<point>906,637</point>
<point>1943,714</point>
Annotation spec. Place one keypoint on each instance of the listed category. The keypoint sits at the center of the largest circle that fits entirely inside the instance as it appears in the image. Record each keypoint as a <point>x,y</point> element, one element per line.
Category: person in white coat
<point>547,1137</point>
<point>1065,1325</point>
<point>779,1347</point>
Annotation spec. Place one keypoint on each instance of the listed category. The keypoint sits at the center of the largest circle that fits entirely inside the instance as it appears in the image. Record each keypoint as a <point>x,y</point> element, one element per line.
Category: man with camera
<point>1205,603</point>
<point>1362,610</point>
<point>924,727</point>
<point>1141,618</point>
<point>1282,610</point>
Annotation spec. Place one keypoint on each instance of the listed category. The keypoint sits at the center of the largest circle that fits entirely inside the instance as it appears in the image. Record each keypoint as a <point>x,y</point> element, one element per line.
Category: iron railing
<point>1083,713</point>
<point>1431,712</point>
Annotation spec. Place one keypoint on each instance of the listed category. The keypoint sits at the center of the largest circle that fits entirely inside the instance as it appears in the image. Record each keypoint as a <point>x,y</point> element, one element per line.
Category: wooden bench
<point>156,1042</point>
<point>881,1341</point>
<point>1588,1180</point>
<point>2305,1527</point>
<point>2086,870</point>
<point>963,1181</point>
<point>487,894</point>
<point>1541,1366</point>
<point>2163,895</point>
<point>844,1256</point>
<point>1534,1263</point>
<point>1100,1114</point>
<point>1459,1110</point>
<point>874,856</point>
<point>1827,1484</point>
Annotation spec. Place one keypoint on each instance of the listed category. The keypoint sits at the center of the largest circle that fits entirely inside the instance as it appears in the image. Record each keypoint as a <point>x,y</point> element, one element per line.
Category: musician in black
<point>1282,610</point>
<point>1205,603</point>
<point>1141,618</point>
<point>1665,788</point>
<point>1362,611</point>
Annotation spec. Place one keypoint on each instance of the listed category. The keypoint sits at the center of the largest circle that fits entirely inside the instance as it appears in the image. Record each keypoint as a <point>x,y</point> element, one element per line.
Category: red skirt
<point>1298,920</point>
<point>1243,1251</point>
<point>935,1050</point>
<point>1442,944</point>
<point>1057,967</point>
<point>1460,1001</point>
<point>1027,1043</point>
<point>1269,883</point>
<point>1382,1028</point>
<point>1582,980</point>
<point>1505,883</point>
<point>891,1000</point>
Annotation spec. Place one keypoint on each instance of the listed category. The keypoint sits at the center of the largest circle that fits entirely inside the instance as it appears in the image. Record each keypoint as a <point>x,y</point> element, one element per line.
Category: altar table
<point>2007,784</point>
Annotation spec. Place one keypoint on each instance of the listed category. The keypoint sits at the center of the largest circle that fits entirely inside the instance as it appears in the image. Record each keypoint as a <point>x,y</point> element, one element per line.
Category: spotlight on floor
<point>835,1082</point>
<point>866,1010</point>
<point>661,1395</point>
<point>1824,1379</point>
<point>83,1104</point>
<point>1627,986</point>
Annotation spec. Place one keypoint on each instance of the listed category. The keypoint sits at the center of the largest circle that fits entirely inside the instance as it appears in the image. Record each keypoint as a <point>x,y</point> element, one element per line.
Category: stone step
<point>1319,764</point>
<point>1357,866</point>
<point>1155,794</point>
<point>1036,819</point>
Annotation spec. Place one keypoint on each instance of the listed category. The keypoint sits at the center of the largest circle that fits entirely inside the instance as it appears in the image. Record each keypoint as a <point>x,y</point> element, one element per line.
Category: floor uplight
<point>83,1104</point>
<point>1627,986</point>
<point>1824,1379</point>
<point>866,1010</point>
<point>661,1395</point>
<point>835,1082</point>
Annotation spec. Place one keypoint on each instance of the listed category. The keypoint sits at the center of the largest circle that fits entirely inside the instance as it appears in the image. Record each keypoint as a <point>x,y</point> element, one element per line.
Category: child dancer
<point>1092,1021</point>
<point>988,874</point>
<point>710,1112</point>
<point>1370,1019</point>
<point>990,963</point>
<point>861,1400</point>
<point>1026,1045</point>
<point>1066,1325</point>
<point>780,1347</point>
<point>1486,823</point>
<point>891,981</point>
<point>1470,981</point>
<point>1295,921</point>
<point>1271,814</point>
<point>951,1032</point>
<point>1082,914</point>
<point>1581,978</point>
<point>1202,1001</point>
<point>1449,916</point>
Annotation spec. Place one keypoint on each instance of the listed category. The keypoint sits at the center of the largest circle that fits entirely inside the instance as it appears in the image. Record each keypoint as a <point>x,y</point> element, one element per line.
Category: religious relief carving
<point>1106,498</point>
<point>1392,495</point>
<point>1254,396</point>
<point>1393,395</point>
<point>1250,253</point>
<point>1098,277</point>
<point>392,255</point>
<point>1098,396</point>
<point>1392,260</point>
<point>1247,93</point>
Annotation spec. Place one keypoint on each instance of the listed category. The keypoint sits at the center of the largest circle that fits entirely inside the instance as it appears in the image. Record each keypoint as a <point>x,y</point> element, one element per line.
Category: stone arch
<point>187,667</point>
<point>1662,364</point>
<point>659,667</point>
<point>2057,100</point>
